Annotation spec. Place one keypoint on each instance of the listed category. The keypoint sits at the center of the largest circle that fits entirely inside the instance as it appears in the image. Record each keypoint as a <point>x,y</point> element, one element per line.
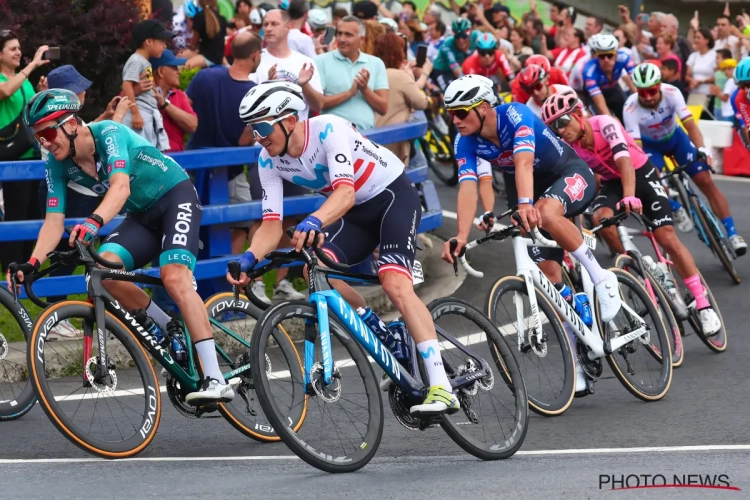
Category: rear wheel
<point>717,241</point>
<point>717,342</point>
<point>16,392</point>
<point>439,153</point>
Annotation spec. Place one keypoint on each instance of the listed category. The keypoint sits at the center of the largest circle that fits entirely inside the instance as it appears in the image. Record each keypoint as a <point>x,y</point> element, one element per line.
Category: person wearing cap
<point>366,10</point>
<point>149,37</point>
<point>174,105</point>
<point>727,113</point>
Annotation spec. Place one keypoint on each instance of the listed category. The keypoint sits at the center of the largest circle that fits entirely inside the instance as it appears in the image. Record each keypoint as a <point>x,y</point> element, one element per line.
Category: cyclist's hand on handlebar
<point>247,262</point>
<point>630,204</point>
<point>449,256</point>
<point>307,232</point>
<point>31,267</point>
<point>486,221</point>
<point>87,232</point>
<point>530,217</point>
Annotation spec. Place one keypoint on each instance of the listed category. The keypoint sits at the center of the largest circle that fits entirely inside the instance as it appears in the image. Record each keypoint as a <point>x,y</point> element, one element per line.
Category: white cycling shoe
<point>213,392</point>
<point>259,290</point>
<point>738,244</point>
<point>608,294</point>
<point>710,322</point>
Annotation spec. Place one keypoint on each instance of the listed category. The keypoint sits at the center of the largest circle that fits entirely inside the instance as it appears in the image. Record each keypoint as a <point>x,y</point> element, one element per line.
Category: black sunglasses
<point>605,56</point>
<point>560,122</point>
<point>465,34</point>
<point>486,52</point>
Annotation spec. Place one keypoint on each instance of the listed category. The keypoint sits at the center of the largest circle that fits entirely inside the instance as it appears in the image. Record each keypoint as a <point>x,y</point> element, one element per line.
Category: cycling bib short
<point>390,220</point>
<point>119,150</point>
<point>169,229</point>
<point>648,189</point>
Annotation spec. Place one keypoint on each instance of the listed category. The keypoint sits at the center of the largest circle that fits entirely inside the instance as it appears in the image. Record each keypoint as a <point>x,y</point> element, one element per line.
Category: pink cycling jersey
<point>610,143</point>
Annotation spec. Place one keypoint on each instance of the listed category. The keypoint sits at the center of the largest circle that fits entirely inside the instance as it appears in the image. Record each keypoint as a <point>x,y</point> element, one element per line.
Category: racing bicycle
<point>707,225</point>
<point>344,425</point>
<point>635,343</point>
<point>102,393</point>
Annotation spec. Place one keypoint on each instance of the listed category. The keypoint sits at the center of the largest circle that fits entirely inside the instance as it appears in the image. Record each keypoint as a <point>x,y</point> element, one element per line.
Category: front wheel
<point>112,412</point>
<point>644,364</point>
<point>16,393</point>
<point>717,241</point>
<point>717,342</point>
<point>494,416</point>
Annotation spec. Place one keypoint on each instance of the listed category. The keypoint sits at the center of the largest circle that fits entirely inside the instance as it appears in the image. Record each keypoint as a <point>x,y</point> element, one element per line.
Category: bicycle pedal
<point>206,409</point>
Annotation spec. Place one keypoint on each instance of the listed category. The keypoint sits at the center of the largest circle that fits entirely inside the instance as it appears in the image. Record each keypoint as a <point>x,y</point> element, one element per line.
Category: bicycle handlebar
<point>621,216</point>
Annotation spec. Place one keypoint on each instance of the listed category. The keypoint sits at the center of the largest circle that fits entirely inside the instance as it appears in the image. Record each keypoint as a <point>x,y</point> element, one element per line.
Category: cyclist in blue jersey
<point>602,73</point>
<point>163,216</point>
<point>544,177</point>
<point>453,53</point>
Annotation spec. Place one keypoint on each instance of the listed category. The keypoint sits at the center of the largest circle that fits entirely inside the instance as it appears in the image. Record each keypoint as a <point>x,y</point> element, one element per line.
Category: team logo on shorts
<point>575,187</point>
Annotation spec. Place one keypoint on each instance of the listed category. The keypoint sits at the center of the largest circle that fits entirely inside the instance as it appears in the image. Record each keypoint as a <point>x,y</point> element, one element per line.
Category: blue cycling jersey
<point>594,78</point>
<point>519,130</point>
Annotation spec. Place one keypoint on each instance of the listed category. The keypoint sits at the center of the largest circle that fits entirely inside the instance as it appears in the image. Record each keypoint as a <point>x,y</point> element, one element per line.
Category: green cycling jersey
<point>449,57</point>
<point>119,150</point>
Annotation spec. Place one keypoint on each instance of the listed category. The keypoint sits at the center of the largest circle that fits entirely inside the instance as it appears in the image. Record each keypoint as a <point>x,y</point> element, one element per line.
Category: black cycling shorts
<point>390,220</point>
<point>648,189</point>
<point>169,229</point>
<point>574,186</point>
<point>615,98</point>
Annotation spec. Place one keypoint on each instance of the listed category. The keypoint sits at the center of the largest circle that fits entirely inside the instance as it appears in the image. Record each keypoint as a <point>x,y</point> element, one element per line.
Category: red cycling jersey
<point>472,66</point>
<point>556,75</point>
<point>741,107</point>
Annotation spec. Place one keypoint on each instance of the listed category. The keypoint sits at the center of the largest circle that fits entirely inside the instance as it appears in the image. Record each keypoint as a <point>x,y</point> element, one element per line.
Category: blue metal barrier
<point>213,187</point>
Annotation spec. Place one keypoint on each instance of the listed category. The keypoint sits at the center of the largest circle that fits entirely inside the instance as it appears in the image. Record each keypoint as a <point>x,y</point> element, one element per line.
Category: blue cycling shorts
<point>678,146</point>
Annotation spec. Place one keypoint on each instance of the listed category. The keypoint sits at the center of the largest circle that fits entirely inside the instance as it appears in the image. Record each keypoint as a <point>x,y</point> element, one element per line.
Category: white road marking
<point>574,451</point>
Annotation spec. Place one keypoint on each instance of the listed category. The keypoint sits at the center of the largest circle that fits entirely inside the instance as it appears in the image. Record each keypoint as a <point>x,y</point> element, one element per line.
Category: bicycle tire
<point>254,427</point>
<point>106,449</point>
<point>718,243</point>
<point>665,382</point>
<point>363,452</point>
<point>717,343</point>
<point>434,163</point>
<point>15,404</point>
<point>629,264</point>
<point>507,366</point>
<point>537,403</point>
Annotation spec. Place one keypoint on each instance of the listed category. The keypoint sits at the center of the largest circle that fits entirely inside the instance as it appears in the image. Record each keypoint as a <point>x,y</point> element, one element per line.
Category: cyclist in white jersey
<point>649,117</point>
<point>371,202</point>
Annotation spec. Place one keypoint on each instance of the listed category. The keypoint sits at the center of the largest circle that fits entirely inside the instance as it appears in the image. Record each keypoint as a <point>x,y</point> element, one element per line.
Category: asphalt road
<point>699,428</point>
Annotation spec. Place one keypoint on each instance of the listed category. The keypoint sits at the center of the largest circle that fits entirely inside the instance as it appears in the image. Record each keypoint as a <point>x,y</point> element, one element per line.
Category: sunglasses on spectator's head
<point>464,34</point>
<point>462,113</point>
<point>560,122</point>
<point>49,134</point>
<point>537,86</point>
<point>261,130</point>
<point>607,55</point>
<point>4,33</point>
<point>486,52</point>
<point>650,92</point>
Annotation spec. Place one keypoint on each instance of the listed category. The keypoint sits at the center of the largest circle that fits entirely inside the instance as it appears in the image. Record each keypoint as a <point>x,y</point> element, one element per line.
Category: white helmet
<point>270,100</point>
<point>603,43</point>
<point>257,15</point>
<point>317,19</point>
<point>469,90</point>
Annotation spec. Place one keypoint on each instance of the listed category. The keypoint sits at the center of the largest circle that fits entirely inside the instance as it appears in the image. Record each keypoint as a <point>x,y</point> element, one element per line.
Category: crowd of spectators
<point>358,63</point>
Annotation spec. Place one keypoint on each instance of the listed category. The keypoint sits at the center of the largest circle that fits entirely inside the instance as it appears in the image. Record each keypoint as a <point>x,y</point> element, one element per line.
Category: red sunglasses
<point>651,92</point>
<point>49,134</point>
<point>532,88</point>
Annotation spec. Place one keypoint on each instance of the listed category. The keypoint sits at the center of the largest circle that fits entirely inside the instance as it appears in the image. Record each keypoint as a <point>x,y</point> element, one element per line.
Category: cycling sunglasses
<point>651,92</point>
<point>608,55</point>
<point>486,52</point>
<point>464,34</point>
<point>261,130</point>
<point>532,88</point>
<point>49,134</point>
<point>560,122</point>
<point>462,113</point>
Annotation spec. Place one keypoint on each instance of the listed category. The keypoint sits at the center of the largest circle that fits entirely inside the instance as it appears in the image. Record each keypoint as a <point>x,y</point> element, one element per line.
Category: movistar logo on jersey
<point>265,163</point>
<point>324,134</point>
<point>318,183</point>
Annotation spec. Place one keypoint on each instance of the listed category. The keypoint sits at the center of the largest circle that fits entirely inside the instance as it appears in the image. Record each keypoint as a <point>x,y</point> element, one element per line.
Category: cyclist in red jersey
<point>741,102</point>
<point>488,61</point>
<point>556,76</point>
<point>629,181</point>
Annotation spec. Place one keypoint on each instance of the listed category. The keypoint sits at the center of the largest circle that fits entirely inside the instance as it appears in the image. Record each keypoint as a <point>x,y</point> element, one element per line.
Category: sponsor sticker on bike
<point>589,239</point>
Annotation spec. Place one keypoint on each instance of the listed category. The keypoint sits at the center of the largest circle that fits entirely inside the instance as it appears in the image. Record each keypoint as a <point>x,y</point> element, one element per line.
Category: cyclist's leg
<point>568,196</point>
<point>604,206</point>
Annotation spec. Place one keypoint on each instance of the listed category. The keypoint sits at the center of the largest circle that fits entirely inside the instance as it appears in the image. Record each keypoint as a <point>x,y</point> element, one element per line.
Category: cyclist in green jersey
<point>163,216</point>
<point>453,53</point>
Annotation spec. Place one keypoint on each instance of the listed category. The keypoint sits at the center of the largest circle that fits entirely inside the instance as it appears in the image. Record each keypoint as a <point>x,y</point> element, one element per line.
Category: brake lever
<point>234,270</point>
<point>453,245</point>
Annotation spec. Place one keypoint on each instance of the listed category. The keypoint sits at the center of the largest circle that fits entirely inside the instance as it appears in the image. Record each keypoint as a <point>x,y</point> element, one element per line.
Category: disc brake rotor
<point>92,366</point>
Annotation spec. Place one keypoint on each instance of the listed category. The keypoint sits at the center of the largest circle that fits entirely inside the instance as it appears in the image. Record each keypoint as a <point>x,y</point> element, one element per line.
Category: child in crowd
<point>149,37</point>
<point>670,73</point>
<point>724,94</point>
<point>720,78</point>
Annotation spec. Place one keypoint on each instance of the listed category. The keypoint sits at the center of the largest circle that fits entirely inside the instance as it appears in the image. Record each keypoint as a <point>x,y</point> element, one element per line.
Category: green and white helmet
<point>646,75</point>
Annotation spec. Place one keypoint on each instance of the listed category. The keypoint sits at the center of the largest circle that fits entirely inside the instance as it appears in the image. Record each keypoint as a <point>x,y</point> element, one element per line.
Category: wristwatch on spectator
<point>166,103</point>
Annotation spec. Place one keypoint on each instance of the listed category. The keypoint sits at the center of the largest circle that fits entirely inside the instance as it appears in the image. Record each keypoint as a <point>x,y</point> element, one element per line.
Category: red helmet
<point>539,60</point>
<point>560,104</point>
<point>530,75</point>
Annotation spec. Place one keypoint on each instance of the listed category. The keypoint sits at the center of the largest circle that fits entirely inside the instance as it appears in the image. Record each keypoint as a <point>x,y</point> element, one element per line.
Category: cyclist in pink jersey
<point>629,181</point>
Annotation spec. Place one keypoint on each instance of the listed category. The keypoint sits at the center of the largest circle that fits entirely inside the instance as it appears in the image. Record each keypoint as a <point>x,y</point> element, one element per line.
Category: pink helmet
<point>559,104</point>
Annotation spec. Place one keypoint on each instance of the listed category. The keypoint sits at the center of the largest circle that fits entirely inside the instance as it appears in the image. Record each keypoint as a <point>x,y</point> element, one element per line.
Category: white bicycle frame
<point>533,276</point>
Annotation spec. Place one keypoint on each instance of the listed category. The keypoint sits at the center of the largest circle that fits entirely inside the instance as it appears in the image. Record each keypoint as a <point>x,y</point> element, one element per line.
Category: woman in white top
<point>701,65</point>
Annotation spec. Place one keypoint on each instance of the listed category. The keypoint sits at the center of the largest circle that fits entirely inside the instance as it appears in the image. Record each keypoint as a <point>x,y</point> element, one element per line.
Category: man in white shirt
<point>299,41</point>
<point>724,40</point>
<point>279,62</point>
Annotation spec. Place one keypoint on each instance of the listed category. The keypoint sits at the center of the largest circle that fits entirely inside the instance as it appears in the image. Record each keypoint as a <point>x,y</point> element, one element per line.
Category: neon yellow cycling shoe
<point>437,402</point>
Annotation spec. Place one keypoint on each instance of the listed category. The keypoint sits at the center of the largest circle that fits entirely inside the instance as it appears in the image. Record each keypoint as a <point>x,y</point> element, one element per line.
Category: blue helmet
<point>742,71</point>
<point>486,41</point>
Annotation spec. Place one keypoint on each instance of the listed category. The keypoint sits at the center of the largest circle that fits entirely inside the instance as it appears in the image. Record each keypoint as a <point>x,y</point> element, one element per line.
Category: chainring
<point>591,367</point>
<point>178,400</point>
<point>400,409</point>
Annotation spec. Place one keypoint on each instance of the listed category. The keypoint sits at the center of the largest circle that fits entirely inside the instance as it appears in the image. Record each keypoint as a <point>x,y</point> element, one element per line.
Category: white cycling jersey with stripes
<point>334,154</point>
<point>657,124</point>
